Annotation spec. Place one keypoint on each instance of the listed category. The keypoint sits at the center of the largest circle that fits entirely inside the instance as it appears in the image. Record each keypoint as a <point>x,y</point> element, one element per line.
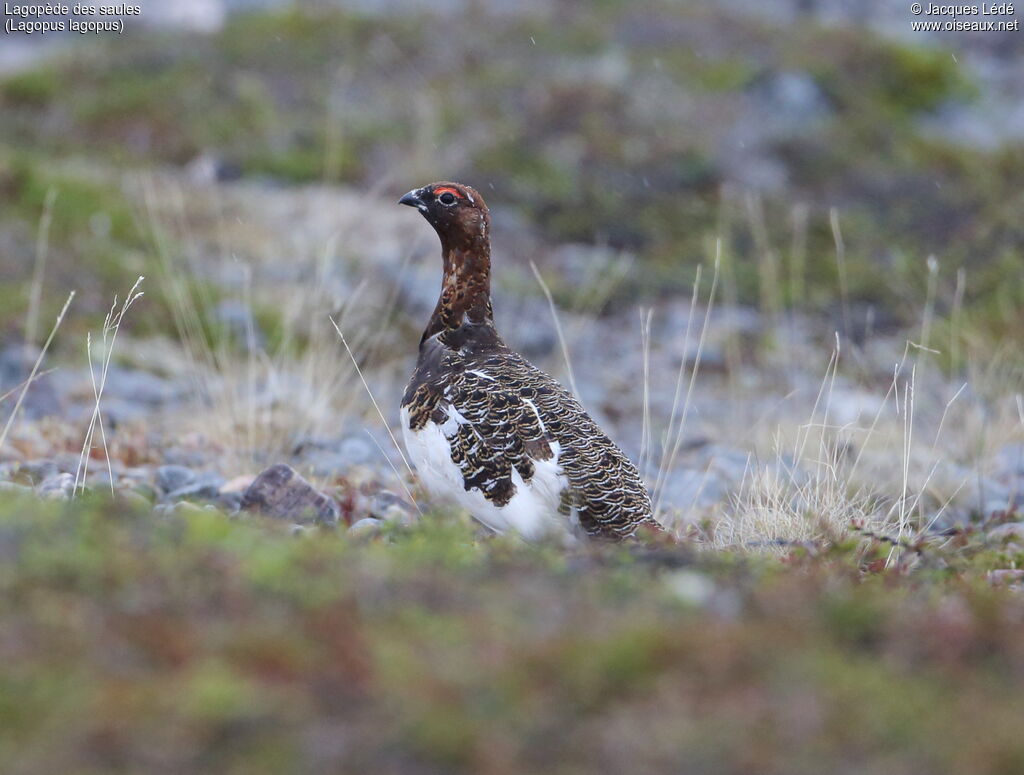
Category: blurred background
<point>776,247</point>
<point>641,127</point>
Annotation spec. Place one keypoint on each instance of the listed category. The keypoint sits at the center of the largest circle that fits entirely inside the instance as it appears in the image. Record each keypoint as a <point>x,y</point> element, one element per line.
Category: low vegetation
<point>194,641</point>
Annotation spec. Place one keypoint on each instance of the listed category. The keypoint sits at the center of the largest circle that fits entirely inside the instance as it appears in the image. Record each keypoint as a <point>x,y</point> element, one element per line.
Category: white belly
<point>532,512</point>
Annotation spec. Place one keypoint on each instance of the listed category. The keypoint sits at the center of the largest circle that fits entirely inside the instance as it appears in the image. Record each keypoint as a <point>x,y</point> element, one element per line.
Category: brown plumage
<point>487,428</point>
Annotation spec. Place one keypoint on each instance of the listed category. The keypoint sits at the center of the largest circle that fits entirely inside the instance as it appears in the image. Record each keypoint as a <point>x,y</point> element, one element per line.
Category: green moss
<point>135,632</point>
<point>860,73</point>
<point>30,87</point>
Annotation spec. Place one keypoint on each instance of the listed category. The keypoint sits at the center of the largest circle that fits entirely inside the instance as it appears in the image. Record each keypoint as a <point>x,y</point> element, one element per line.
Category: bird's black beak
<point>412,198</point>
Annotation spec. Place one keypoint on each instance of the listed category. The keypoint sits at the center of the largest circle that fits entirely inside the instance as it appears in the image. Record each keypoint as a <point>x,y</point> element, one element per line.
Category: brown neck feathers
<point>466,286</point>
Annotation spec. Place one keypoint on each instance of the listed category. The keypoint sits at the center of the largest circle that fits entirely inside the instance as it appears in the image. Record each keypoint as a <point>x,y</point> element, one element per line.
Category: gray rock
<point>280,492</point>
<point>42,398</point>
<point>728,463</point>
<point>357,449</point>
<point>100,480</point>
<point>138,473</point>
<point>333,459</point>
<point>686,489</point>
<point>39,470</point>
<point>140,387</point>
<point>202,486</point>
<point>120,411</point>
<point>187,457</point>
<point>388,507</point>
<point>1009,465</point>
<point>58,486</point>
<point>67,462</point>
<point>981,494</point>
<point>229,502</point>
<point>1010,459</point>
<point>173,477</point>
<point>366,527</point>
<point>995,507</point>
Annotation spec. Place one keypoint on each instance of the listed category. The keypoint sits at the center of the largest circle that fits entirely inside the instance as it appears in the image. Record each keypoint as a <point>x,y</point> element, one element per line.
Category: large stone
<point>280,492</point>
<point>366,527</point>
<point>57,487</point>
<point>336,457</point>
<point>39,470</point>
<point>204,486</point>
<point>42,398</point>
<point>173,477</point>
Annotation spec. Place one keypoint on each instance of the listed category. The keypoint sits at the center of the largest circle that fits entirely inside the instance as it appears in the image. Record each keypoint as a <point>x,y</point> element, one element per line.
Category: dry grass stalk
<point>111,327</point>
<point>33,375</point>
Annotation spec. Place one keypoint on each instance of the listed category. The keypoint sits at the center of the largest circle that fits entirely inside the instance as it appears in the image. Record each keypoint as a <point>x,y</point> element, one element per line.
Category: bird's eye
<point>447,198</point>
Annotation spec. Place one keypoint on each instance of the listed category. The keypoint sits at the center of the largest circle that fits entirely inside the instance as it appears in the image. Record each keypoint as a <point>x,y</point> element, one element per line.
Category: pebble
<point>229,502</point>
<point>100,480</point>
<point>687,488</point>
<point>173,477</point>
<point>336,459</point>
<point>1010,458</point>
<point>57,487</point>
<point>995,507</point>
<point>42,399</point>
<point>138,387</point>
<point>186,457</point>
<point>386,506</point>
<point>366,527</point>
<point>281,492</point>
<point>39,470</point>
<point>202,486</point>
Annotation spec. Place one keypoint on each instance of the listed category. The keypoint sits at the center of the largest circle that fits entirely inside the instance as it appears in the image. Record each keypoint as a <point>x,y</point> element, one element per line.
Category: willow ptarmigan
<point>489,430</point>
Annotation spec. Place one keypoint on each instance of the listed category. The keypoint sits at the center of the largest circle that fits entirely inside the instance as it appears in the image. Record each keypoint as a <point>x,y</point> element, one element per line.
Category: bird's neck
<point>465,298</point>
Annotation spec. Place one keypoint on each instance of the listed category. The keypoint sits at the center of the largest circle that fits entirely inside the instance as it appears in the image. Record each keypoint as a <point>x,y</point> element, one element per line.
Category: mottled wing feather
<point>499,412</point>
<point>490,431</point>
<point>605,488</point>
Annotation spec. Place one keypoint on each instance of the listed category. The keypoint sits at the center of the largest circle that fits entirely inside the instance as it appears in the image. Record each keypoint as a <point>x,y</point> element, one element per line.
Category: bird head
<point>457,212</point>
